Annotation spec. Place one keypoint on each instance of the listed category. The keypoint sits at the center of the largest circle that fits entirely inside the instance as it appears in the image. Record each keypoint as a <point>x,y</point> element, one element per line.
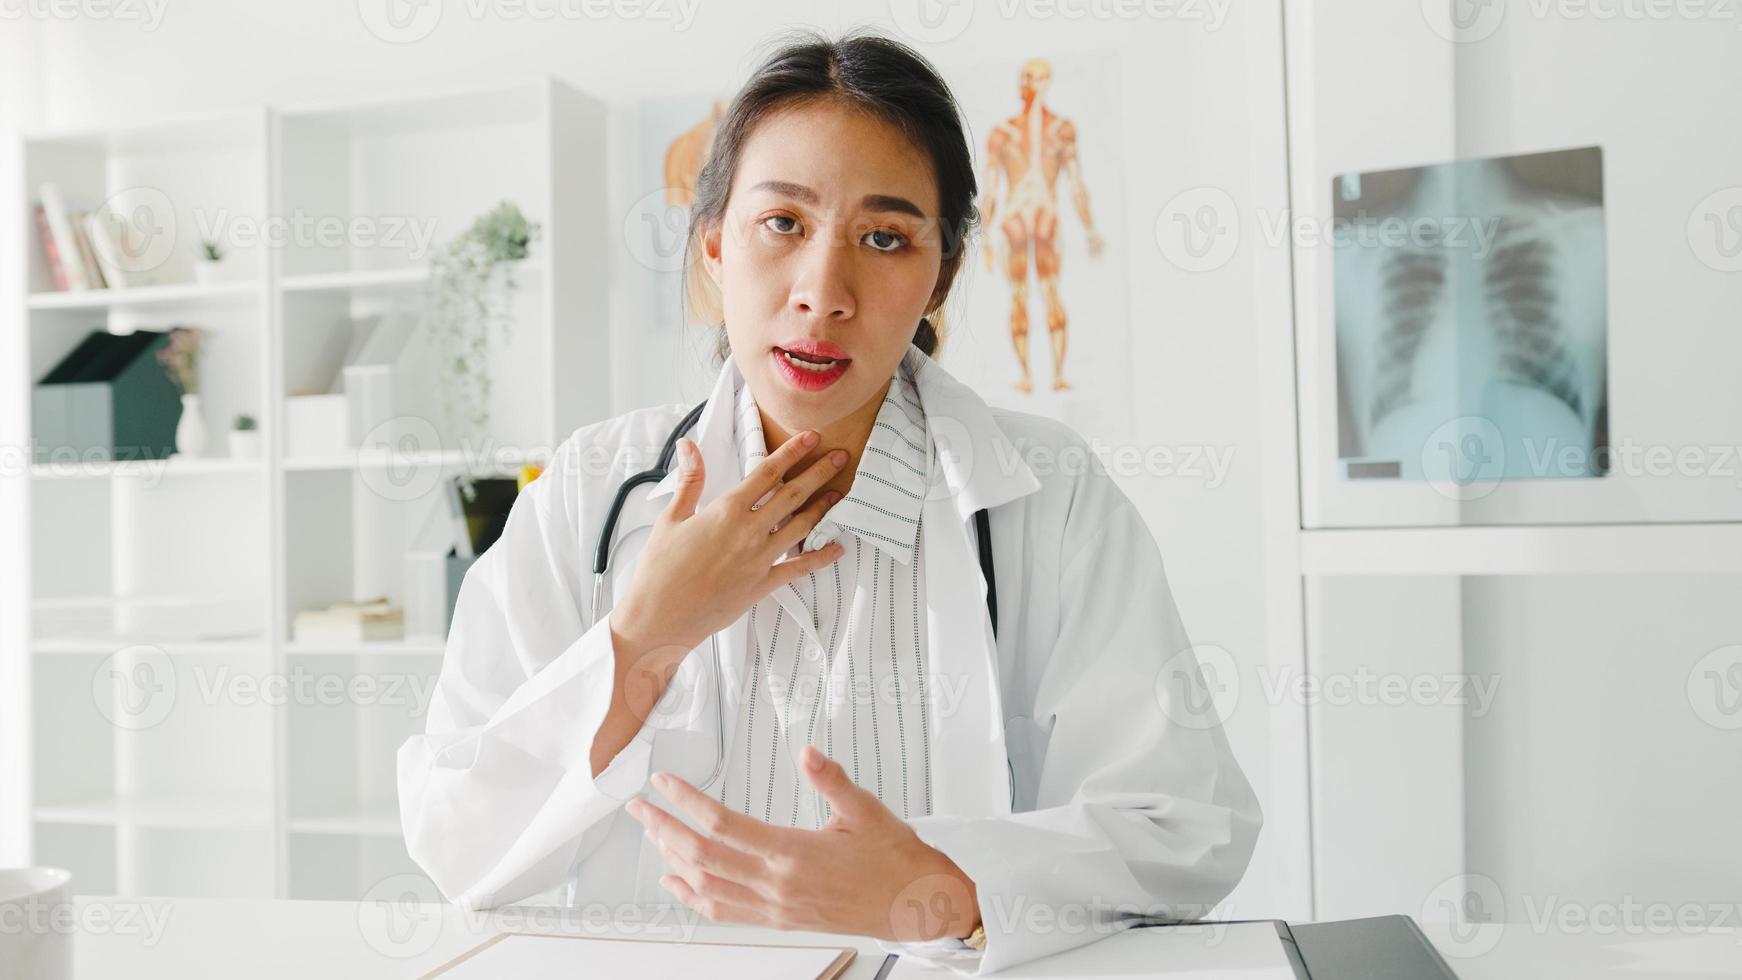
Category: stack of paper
<point>350,622</point>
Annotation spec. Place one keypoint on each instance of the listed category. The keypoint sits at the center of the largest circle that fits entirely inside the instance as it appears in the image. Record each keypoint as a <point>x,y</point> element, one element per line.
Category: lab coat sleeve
<point>1138,804</point>
<point>497,796</point>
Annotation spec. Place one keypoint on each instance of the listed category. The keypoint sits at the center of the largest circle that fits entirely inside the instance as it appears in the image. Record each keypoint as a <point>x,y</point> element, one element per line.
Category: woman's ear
<point>701,276</point>
<point>710,242</point>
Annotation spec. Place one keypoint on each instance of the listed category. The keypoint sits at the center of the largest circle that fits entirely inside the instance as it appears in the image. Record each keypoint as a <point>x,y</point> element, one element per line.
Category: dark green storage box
<point>110,399</point>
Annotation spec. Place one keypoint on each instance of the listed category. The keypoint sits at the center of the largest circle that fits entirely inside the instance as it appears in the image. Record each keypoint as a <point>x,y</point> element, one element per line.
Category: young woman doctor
<point>881,758</point>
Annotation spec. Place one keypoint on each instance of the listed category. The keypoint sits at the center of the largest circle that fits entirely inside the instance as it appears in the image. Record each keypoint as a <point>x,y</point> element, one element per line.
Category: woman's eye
<point>771,223</point>
<point>886,241</point>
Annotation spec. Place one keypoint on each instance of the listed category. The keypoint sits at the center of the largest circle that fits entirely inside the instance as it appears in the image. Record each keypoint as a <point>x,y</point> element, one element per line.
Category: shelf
<point>379,280</point>
<point>1585,549</point>
<point>147,297</point>
<point>371,822</point>
<point>146,468</point>
<point>414,646</point>
<point>357,281</point>
<point>217,621</point>
<point>148,812</point>
<point>361,460</point>
<point>63,645</point>
<point>447,459</point>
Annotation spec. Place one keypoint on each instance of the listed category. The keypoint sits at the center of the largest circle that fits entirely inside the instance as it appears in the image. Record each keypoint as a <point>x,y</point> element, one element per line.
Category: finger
<point>674,838</point>
<point>716,820</point>
<point>768,474</point>
<point>794,492</point>
<point>800,524</point>
<point>785,571</point>
<point>689,485</point>
<point>715,909</point>
<point>826,776</point>
<point>713,886</point>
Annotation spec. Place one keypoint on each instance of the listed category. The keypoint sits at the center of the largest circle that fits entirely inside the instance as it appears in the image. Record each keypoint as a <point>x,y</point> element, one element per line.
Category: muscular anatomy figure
<point>1024,157</point>
<point>687,154</point>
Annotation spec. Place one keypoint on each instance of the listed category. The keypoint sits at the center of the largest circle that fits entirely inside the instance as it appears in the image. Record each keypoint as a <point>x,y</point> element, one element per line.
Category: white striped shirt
<point>853,630</point>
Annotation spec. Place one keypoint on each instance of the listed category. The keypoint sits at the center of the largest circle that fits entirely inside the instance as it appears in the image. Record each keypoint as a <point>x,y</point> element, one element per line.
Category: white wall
<point>1199,100</point>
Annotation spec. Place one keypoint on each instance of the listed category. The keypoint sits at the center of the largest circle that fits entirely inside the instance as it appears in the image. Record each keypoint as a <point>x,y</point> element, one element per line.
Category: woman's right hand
<point>702,570</point>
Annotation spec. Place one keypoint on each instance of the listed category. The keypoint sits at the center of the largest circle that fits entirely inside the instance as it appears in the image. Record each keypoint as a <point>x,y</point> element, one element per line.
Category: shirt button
<point>812,651</point>
<point>820,535</point>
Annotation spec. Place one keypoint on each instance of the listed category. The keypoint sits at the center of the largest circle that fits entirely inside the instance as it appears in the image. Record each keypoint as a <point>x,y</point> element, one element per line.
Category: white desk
<point>267,940</point>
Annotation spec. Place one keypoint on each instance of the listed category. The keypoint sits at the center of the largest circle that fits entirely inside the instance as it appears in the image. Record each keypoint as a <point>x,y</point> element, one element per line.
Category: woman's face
<point>828,255</point>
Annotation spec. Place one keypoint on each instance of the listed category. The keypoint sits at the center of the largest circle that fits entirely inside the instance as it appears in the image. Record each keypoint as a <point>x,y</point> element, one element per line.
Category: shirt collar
<point>884,502</point>
<point>975,464</point>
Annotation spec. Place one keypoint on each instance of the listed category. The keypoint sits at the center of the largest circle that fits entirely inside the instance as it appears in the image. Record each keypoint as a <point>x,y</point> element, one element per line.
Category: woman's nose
<point>824,287</point>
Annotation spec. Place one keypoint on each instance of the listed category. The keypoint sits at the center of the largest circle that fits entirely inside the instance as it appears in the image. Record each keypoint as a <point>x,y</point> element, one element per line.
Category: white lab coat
<point>1125,799</point>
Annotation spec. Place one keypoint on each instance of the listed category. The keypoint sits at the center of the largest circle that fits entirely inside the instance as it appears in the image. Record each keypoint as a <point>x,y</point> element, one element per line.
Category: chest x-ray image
<point>1472,318</point>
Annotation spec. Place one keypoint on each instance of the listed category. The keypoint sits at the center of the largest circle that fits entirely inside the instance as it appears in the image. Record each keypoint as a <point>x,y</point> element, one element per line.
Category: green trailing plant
<point>181,359</point>
<point>471,294</point>
<point>209,248</point>
<point>245,423</point>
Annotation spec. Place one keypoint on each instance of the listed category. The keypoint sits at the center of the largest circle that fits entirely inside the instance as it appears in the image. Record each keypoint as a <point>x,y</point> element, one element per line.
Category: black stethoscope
<point>659,471</point>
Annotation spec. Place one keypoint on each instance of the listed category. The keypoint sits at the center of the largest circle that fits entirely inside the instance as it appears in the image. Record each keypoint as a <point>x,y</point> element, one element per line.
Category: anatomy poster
<point>675,136</point>
<point>674,360</point>
<point>1038,320</point>
<point>1472,320</point>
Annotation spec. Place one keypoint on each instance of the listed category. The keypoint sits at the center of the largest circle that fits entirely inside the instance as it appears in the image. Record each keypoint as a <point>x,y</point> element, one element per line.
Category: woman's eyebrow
<point>870,202</point>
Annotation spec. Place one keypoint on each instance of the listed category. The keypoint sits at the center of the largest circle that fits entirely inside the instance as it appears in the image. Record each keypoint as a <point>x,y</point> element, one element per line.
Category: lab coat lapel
<point>976,466</point>
<point>713,437</point>
<point>970,773</point>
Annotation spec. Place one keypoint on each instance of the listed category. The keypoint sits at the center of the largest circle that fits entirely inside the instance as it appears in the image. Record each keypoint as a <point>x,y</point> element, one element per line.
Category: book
<point>56,270</point>
<point>350,622</point>
<point>87,256</point>
<point>111,257</point>
<point>60,227</point>
<point>356,633</point>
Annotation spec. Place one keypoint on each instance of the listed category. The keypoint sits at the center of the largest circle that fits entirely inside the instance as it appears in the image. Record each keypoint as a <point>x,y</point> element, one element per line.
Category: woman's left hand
<point>864,873</point>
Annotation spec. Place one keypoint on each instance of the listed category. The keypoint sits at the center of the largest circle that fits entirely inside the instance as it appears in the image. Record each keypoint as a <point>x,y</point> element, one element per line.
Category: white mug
<point>36,938</point>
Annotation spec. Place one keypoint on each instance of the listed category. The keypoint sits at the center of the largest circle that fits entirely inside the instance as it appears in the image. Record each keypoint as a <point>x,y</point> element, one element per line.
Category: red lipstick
<point>810,365</point>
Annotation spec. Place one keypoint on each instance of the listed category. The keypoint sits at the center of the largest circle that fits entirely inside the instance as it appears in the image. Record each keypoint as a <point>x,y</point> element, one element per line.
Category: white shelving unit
<point>222,776</point>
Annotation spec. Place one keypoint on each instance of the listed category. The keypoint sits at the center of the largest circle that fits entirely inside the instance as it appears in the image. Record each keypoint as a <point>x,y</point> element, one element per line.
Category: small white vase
<point>207,272</point>
<point>190,430</point>
<point>245,443</point>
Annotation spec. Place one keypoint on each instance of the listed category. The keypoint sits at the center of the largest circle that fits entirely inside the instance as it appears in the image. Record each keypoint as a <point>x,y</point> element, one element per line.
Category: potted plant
<point>181,360</point>
<point>209,264</point>
<point>471,291</point>
<point>245,438</point>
